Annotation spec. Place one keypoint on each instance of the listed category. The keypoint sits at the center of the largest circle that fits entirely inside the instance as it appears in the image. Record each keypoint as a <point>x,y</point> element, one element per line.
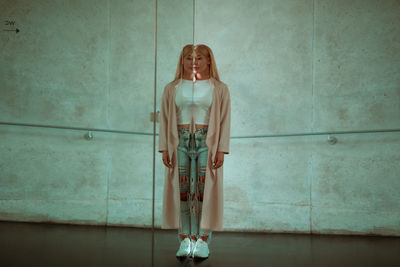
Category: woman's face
<point>197,63</point>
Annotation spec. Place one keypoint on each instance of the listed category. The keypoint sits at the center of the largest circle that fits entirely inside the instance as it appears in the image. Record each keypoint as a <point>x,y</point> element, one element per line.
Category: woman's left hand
<point>219,160</point>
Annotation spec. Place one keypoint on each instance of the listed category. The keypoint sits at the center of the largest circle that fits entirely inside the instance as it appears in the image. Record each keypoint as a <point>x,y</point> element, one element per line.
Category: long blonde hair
<point>202,49</point>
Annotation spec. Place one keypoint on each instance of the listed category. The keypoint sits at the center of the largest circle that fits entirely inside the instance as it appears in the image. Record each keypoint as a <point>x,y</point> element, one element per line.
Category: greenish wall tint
<point>80,64</point>
<point>291,66</point>
<point>309,66</point>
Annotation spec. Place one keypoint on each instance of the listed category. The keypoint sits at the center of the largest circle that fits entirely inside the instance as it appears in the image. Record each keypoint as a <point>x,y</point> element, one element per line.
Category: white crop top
<point>193,99</point>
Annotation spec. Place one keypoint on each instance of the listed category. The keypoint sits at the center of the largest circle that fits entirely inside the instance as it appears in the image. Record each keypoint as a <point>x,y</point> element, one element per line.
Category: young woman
<point>193,138</point>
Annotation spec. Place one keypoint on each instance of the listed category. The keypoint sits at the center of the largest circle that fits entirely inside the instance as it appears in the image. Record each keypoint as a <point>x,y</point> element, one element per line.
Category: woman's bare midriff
<point>197,126</point>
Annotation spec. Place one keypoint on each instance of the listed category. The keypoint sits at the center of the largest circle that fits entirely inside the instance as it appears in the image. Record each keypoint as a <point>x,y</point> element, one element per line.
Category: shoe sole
<point>196,258</point>
<point>182,257</point>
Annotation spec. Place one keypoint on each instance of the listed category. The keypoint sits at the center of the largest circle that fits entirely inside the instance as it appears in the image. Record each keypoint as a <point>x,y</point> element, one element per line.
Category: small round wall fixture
<point>89,135</point>
<point>332,140</point>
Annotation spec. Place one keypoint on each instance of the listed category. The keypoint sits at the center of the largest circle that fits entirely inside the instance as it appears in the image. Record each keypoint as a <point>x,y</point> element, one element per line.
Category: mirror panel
<point>263,52</point>
<point>88,65</point>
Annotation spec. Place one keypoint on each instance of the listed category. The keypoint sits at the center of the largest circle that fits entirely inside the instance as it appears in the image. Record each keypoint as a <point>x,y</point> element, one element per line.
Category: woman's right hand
<point>166,160</point>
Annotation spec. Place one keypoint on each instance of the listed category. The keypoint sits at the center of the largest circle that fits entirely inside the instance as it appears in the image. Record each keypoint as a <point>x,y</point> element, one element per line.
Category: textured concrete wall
<point>291,66</point>
<point>303,66</point>
<point>81,64</point>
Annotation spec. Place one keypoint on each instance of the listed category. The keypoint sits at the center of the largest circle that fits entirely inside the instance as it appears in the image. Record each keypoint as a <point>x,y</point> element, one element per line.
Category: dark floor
<point>30,244</point>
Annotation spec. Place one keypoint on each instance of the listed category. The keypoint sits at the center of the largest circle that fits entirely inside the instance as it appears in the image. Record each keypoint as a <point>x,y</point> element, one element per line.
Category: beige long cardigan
<point>218,137</point>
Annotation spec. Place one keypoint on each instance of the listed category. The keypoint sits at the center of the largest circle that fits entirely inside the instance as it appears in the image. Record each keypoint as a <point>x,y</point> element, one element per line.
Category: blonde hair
<point>202,49</point>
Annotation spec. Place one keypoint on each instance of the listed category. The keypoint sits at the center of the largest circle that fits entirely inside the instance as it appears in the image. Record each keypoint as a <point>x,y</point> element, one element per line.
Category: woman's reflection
<point>194,136</point>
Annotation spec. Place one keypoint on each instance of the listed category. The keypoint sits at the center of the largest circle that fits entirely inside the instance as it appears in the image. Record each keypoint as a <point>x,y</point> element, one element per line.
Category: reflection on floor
<point>30,244</point>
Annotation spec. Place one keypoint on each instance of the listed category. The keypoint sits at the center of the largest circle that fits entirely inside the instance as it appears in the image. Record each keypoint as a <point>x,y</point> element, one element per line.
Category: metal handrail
<point>318,133</point>
<point>74,128</point>
<point>232,137</point>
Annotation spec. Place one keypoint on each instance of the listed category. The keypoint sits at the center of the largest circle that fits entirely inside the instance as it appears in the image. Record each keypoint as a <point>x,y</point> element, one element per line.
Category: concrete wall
<point>81,64</point>
<point>309,66</point>
<point>291,66</point>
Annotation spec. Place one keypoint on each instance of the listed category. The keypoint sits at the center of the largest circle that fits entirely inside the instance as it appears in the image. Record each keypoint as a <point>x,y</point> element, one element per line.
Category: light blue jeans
<point>192,164</point>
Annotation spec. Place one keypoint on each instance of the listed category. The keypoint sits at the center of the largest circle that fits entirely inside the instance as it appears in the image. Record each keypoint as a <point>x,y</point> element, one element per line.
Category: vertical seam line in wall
<point>154,130</point>
<point>312,109</point>
<point>193,26</point>
<point>108,101</point>
<point>154,124</point>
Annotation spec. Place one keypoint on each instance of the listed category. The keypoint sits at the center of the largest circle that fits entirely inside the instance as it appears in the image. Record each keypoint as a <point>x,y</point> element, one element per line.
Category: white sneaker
<point>185,248</point>
<point>200,249</point>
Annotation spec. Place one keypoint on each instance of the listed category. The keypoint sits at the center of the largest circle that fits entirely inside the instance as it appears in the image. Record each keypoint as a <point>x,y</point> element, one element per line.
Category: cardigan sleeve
<point>225,122</point>
<point>163,127</point>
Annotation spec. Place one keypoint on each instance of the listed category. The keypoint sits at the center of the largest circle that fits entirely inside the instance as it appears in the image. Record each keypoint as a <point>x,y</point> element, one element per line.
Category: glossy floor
<point>30,244</point>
